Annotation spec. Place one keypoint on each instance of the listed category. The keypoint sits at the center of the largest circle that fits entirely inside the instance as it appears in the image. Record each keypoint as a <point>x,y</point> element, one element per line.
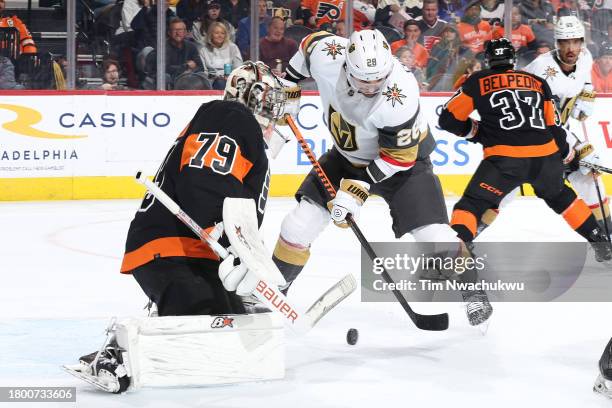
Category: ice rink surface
<point>60,285</point>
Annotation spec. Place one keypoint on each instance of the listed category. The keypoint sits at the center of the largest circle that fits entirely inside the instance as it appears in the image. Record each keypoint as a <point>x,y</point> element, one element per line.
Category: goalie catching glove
<point>583,108</point>
<point>349,199</point>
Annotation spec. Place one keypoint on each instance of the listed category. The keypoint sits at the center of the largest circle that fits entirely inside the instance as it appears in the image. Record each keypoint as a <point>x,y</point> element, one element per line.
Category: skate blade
<point>600,387</point>
<point>483,327</point>
<point>95,381</point>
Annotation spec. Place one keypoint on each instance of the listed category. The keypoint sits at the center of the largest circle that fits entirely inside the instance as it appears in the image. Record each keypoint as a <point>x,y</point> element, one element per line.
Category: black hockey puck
<point>352,335</point>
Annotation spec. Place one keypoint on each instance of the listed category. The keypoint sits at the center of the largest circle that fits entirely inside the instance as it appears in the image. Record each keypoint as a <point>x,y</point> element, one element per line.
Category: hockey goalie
<point>219,313</point>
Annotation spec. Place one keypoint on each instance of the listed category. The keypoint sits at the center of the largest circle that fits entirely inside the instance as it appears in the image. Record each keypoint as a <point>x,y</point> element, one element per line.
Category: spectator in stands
<point>471,66</point>
<point>412,32</point>
<point>385,10</point>
<point>7,74</point>
<point>429,23</point>
<point>181,56</point>
<point>444,60</point>
<point>235,10</point>
<point>243,36</point>
<point>211,14</point>
<point>523,38</point>
<point>474,31</point>
<point>452,10</point>
<point>129,9</point>
<point>110,77</point>
<point>601,21</point>
<point>602,69</point>
<point>492,9</point>
<point>340,29</point>
<point>220,55</point>
<point>323,15</point>
<point>26,42</point>
<point>144,23</point>
<point>191,11</point>
<point>538,14</point>
<point>406,57</point>
<point>413,8</point>
<point>542,47</point>
<point>275,48</point>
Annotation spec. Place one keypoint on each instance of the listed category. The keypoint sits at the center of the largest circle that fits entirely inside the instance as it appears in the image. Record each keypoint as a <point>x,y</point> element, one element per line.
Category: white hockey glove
<point>349,199</point>
<point>583,108</point>
<point>236,277</point>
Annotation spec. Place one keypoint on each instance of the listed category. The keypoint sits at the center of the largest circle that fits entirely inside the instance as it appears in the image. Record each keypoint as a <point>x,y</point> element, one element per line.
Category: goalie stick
<point>424,322</point>
<point>269,294</point>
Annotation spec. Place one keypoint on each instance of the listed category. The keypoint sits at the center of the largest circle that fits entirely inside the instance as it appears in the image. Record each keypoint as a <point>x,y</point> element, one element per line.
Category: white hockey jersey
<point>364,128</point>
<point>564,87</point>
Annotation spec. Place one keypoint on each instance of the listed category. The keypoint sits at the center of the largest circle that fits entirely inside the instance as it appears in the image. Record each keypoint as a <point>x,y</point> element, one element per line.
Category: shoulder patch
<point>394,94</point>
<point>333,48</point>
<point>550,72</point>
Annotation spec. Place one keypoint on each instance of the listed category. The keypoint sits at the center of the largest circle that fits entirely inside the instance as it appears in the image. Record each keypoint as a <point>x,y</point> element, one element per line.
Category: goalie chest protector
<point>221,153</point>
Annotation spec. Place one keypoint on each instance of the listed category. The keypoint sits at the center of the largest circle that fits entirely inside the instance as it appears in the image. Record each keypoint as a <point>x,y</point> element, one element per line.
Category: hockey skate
<point>601,246</point>
<point>603,383</point>
<point>104,368</point>
<point>477,308</point>
<point>603,386</point>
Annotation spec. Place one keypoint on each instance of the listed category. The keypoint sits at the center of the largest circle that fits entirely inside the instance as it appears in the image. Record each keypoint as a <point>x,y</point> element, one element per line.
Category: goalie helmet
<point>368,61</point>
<point>254,85</point>
<point>499,53</point>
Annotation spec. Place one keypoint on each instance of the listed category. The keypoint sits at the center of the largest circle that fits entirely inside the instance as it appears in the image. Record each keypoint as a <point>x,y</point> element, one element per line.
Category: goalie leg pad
<point>180,351</point>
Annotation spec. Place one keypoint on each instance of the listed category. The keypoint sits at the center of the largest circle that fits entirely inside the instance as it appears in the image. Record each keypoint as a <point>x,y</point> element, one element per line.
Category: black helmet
<point>499,53</point>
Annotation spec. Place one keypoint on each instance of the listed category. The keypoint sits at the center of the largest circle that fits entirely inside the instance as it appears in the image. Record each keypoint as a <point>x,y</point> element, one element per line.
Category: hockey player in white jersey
<point>567,70</point>
<point>381,143</point>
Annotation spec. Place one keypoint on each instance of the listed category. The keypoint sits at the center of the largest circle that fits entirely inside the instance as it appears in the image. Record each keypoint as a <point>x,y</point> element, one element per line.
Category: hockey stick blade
<point>336,294</point>
<point>437,322</point>
<point>596,167</point>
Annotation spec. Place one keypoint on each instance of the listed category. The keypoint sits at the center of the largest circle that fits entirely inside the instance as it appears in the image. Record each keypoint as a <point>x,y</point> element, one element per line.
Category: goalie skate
<point>104,368</point>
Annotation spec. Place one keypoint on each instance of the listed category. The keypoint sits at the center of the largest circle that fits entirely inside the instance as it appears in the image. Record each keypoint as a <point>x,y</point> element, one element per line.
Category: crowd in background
<point>440,41</point>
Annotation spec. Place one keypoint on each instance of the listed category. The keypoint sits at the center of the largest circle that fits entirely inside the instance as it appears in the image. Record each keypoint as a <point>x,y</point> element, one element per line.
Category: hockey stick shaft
<point>599,195</point>
<point>423,322</point>
<point>270,295</point>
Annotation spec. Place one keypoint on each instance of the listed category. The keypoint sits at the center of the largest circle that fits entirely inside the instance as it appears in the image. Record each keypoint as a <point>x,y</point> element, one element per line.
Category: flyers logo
<point>24,123</point>
<point>329,10</point>
<point>221,322</point>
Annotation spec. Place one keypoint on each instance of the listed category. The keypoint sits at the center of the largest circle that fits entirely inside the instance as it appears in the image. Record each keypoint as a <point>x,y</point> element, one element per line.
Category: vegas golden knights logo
<point>342,131</point>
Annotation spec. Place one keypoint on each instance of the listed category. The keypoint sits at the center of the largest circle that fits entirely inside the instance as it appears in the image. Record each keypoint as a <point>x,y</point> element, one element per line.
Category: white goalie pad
<point>179,351</point>
<point>240,223</point>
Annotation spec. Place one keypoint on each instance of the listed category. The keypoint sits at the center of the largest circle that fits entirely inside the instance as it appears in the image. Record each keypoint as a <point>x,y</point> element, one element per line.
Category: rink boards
<point>89,144</point>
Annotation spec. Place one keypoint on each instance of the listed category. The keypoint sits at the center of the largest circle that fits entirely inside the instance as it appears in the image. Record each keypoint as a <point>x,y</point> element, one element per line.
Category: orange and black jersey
<point>518,117</point>
<point>220,154</point>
